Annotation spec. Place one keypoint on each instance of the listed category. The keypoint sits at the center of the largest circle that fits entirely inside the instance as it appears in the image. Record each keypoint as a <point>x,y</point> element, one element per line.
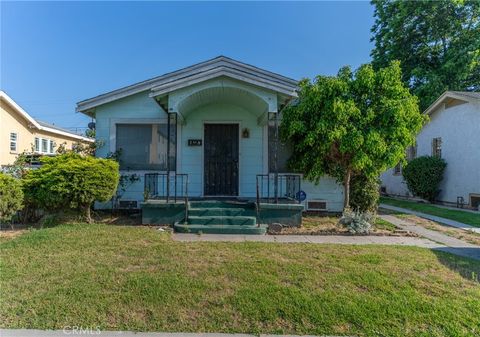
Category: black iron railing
<point>164,186</point>
<point>282,187</point>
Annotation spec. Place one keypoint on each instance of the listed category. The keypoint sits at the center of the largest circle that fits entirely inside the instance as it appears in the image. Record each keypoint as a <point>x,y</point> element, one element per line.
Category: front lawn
<point>137,278</point>
<point>468,218</point>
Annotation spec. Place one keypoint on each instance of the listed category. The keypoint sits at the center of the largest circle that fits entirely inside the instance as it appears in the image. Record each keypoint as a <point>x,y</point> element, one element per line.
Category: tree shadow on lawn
<point>467,267</point>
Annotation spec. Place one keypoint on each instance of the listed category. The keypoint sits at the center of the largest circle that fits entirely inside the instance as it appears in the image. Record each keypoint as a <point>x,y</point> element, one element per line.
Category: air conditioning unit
<point>128,204</point>
<point>316,205</point>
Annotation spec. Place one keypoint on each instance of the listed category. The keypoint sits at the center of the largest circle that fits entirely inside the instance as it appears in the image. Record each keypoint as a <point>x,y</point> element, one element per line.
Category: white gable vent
<point>316,205</point>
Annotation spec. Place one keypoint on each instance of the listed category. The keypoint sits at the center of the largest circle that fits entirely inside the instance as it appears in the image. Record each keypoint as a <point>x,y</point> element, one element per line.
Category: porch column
<point>171,119</point>
<point>275,156</point>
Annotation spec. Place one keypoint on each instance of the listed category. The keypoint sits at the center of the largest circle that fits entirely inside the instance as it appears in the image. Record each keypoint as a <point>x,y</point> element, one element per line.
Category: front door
<point>221,159</point>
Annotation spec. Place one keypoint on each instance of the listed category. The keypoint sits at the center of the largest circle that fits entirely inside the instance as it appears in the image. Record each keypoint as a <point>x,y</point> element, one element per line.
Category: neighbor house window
<point>13,141</point>
<point>412,152</point>
<point>37,144</point>
<point>397,169</point>
<point>284,152</point>
<point>44,145</point>
<point>144,146</point>
<point>437,147</point>
<point>51,146</point>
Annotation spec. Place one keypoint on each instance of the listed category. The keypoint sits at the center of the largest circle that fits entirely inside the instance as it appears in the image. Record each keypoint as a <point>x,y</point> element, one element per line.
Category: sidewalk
<point>450,244</point>
<point>444,221</point>
<point>93,331</point>
<point>319,239</point>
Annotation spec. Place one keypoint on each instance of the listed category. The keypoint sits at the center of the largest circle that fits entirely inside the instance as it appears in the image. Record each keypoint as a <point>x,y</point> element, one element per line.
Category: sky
<point>54,54</point>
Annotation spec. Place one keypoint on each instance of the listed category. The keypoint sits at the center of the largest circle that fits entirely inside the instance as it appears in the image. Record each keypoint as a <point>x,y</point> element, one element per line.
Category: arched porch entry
<point>222,140</point>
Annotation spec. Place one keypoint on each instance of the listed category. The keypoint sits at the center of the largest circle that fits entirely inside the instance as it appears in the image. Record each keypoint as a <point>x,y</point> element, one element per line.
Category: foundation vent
<point>316,205</point>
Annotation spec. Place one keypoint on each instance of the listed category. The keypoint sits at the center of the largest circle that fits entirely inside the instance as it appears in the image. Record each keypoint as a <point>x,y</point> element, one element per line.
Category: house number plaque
<point>194,142</point>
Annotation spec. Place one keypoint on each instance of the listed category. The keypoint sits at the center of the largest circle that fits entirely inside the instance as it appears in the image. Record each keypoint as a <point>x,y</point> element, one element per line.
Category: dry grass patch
<point>458,233</point>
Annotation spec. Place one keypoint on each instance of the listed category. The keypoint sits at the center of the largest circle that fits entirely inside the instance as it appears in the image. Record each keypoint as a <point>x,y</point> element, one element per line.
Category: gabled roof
<point>39,124</point>
<point>216,67</point>
<point>464,96</point>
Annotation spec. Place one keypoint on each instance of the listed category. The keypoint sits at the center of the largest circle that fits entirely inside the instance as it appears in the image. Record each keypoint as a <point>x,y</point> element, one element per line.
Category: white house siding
<point>459,128</point>
<point>327,189</point>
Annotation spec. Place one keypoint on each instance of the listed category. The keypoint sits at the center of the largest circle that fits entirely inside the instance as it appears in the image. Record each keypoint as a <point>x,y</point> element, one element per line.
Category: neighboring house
<point>19,132</point>
<point>453,133</point>
<point>213,123</point>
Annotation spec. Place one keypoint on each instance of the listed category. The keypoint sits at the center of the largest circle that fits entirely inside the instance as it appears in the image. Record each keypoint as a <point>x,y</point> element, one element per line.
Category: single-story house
<point>210,131</point>
<point>20,133</point>
<point>453,134</point>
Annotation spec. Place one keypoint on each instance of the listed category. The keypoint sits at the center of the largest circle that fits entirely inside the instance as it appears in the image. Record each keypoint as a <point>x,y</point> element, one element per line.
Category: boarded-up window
<point>437,147</point>
<point>284,152</point>
<point>144,146</point>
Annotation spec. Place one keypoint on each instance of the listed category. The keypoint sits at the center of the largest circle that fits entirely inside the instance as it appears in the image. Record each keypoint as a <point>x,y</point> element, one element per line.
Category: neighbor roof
<point>216,67</point>
<point>466,96</point>
<point>39,124</point>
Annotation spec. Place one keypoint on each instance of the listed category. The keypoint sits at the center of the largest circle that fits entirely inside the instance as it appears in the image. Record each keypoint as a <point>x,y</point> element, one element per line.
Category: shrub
<point>423,176</point>
<point>364,193</point>
<point>11,197</point>
<point>356,222</point>
<point>71,181</point>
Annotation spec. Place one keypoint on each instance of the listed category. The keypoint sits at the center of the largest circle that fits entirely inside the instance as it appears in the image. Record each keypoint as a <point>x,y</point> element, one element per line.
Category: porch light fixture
<point>245,133</point>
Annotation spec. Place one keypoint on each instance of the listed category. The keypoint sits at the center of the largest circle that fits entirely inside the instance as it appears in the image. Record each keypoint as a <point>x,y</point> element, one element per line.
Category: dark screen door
<point>221,159</point>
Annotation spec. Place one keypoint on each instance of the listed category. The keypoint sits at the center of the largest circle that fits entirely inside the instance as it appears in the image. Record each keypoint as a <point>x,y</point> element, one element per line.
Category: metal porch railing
<point>171,187</point>
<point>274,188</point>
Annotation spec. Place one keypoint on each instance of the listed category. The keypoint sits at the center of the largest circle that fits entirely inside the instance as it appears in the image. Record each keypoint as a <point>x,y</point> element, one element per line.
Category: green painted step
<point>219,211</point>
<point>222,220</point>
<point>221,204</point>
<point>220,229</point>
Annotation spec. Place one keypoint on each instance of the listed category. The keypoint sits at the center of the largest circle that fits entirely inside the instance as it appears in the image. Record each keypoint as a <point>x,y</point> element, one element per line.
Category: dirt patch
<point>9,234</point>
<point>318,225</point>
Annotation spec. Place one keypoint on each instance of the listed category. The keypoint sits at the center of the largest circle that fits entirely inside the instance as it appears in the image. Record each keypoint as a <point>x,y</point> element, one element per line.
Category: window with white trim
<point>13,141</point>
<point>144,146</point>
<point>44,145</point>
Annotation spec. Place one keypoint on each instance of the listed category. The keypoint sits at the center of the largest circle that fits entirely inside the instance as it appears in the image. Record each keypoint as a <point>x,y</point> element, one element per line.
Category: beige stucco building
<point>19,132</point>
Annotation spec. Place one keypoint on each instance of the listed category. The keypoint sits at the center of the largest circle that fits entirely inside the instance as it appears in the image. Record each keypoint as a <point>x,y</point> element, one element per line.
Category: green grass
<point>468,218</point>
<point>136,278</point>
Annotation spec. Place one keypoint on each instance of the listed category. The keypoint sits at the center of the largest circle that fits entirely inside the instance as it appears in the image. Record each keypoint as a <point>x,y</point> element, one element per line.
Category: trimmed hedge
<point>71,181</point>
<point>11,197</point>
<point>423,176</point>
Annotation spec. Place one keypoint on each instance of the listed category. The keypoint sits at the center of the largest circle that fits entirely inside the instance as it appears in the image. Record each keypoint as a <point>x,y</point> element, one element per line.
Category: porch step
<point>220,211</point>
<point>222,220</point>
<point>221,229</point>
<point>221,204</point>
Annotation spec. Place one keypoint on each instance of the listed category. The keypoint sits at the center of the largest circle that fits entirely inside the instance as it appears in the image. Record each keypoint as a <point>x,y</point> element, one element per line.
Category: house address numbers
<point>194,142</point>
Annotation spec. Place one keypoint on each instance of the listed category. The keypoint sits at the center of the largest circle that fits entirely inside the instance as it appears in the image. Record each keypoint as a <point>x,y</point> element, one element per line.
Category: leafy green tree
<point>353,123</point>
<point>437,43</point>
<point>11,196</point>
<point>71,181</point>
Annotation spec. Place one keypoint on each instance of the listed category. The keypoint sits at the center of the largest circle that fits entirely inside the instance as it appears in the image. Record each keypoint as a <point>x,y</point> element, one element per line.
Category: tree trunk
<point>86,212</point>
<point>346,185</point>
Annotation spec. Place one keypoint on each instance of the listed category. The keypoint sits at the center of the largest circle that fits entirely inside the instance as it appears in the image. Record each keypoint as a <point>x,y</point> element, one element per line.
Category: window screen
<point>13,142</point>
<point>144,146</point>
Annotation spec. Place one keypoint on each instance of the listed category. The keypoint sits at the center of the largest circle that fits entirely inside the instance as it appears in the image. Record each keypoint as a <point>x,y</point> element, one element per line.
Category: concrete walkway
<point>444,221</point>
<point>449,243</point>
<point>92,331</point>
<point>320,239</point>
